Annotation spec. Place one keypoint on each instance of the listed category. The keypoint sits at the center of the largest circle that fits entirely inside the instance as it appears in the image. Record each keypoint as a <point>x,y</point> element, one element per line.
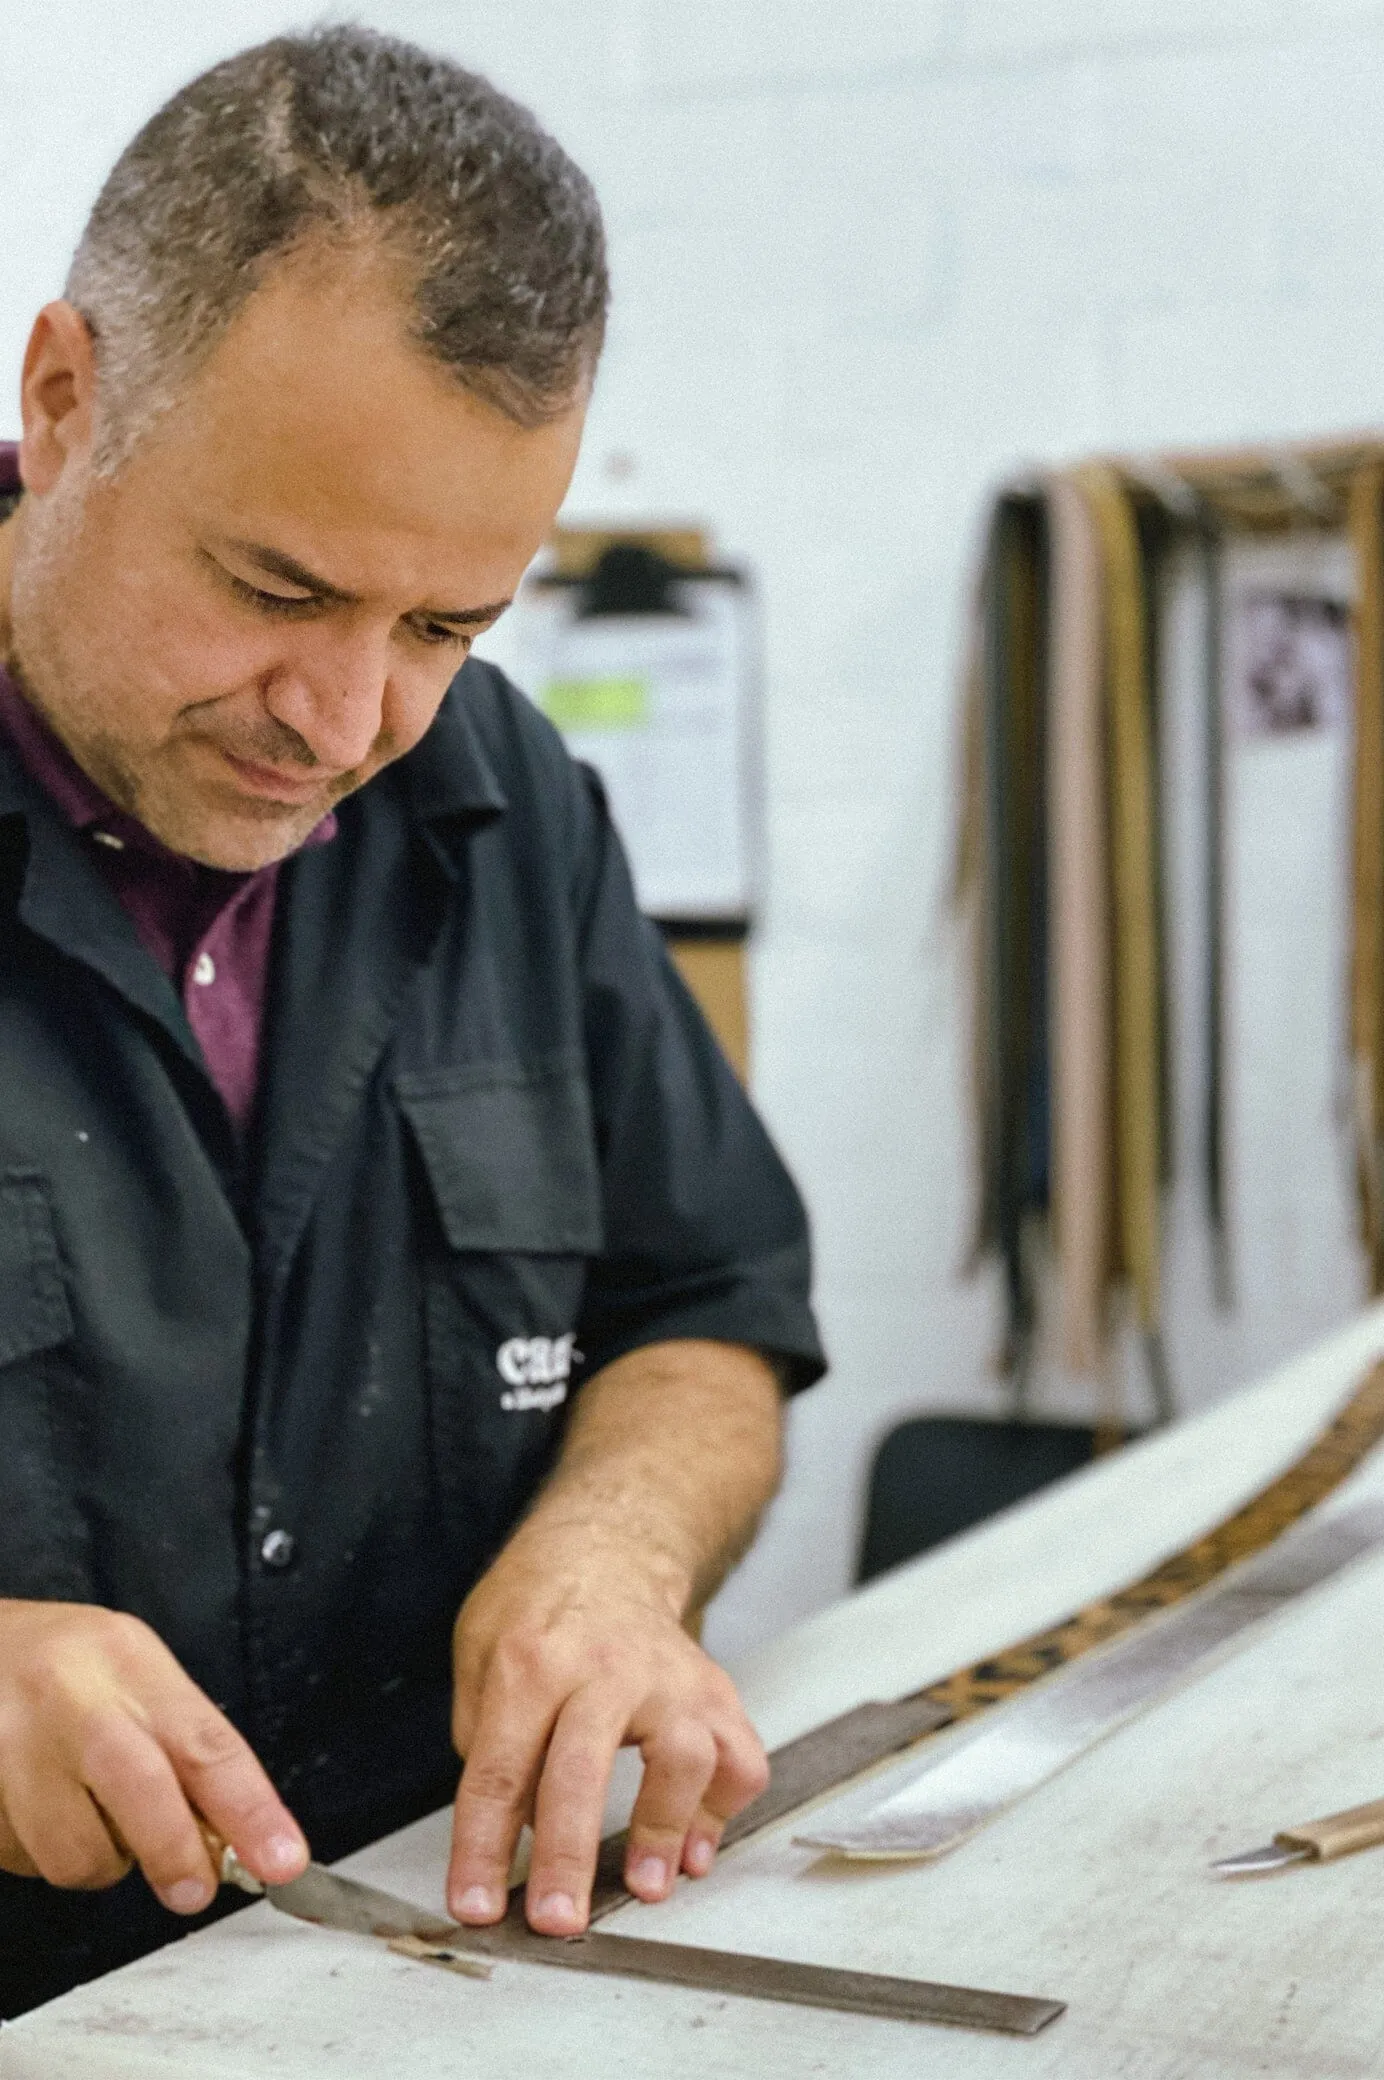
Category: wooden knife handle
<point>227,1865</point>
<point>1360,1827</point>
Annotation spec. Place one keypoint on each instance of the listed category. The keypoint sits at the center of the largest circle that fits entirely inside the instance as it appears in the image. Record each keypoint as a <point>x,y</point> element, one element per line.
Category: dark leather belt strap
<point>1366,523</point>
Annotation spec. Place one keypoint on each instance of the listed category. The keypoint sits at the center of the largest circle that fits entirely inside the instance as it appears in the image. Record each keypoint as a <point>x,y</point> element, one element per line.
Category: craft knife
<point>329,1900</point>
<point>1315,1841</point>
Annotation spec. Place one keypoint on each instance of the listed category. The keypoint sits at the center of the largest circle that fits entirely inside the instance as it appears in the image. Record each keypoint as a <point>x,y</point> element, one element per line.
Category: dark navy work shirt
<point>284,1394</point>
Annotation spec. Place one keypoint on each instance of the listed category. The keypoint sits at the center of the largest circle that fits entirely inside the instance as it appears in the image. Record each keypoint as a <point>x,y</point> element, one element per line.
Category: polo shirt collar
<point>78,796</point>
<point>449,772</point>
<point>18,792</point>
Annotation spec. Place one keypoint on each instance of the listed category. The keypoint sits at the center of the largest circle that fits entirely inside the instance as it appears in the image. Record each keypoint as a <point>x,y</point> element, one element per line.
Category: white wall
<point>867,255</point>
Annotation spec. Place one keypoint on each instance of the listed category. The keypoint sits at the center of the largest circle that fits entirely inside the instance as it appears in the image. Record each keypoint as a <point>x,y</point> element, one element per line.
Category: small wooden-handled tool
<point>1314,1841</point>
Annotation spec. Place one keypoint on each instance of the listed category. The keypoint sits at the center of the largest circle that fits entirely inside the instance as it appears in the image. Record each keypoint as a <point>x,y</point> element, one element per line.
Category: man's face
<point>267,602</point>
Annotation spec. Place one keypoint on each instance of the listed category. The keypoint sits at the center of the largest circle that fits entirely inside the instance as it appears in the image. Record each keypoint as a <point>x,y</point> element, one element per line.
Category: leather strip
<point>1079,931</point>
<point>1366,525</point>
<point>972,898</point>
<point>823,1760</point>
<point>1208,541</point>
<point>1336,1453</point>
<point>1013,699</point>
<point>1138,1127</point>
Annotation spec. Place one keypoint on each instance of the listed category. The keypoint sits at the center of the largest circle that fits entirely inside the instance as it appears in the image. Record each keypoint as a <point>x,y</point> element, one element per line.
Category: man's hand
<point>573,1644</point>
<point>562,1658</point>
<point>109,1751</point>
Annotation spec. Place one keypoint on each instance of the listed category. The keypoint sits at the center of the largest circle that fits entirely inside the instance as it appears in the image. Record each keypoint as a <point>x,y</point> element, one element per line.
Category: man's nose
<point>330,691</point>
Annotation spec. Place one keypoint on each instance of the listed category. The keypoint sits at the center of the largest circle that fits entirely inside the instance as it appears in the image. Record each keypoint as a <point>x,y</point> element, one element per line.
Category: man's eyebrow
<point>275,564</point>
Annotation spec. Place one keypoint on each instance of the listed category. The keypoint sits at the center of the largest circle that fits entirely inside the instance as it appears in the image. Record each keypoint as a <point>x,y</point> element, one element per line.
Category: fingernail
<point>558,1906</point>
<point>187,1896</point>
<point>649,1874</point>
<point>699,1855</point>
<point>477,1903</point>
<point>284,1852</point>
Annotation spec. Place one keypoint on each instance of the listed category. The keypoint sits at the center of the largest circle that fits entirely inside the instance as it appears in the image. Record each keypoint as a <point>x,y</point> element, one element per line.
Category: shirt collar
<point>48,761</point>
<point>449,771</point>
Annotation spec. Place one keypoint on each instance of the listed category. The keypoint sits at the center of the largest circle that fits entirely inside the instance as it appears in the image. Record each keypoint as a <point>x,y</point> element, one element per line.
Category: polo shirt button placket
<point>204,970</point>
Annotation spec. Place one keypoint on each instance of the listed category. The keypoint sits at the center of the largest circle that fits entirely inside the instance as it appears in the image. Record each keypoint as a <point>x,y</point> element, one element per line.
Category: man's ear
<point>57,395</point>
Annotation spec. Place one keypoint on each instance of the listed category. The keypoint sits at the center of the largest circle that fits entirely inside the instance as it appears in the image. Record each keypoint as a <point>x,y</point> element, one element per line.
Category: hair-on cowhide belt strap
<point>829,1756</point>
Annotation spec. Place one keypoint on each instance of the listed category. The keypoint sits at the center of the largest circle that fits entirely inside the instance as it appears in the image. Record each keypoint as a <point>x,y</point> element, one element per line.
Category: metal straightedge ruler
<point>766,1978</point>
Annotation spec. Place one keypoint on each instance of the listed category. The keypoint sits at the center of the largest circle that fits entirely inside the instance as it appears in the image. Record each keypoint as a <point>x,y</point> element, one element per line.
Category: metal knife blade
<point>1313,1841</point>
<point>329,1900</point>
<point>1257,1863</point>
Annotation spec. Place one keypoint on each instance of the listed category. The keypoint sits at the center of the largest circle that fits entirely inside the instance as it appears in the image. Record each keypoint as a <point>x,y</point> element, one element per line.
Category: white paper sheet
<point>662,706</point>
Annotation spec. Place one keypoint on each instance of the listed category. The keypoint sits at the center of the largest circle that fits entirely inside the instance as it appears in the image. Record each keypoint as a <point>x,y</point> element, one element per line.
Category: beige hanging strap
<point>1366,523</point>
<point>1079,930</point>
<point>1134,888</point>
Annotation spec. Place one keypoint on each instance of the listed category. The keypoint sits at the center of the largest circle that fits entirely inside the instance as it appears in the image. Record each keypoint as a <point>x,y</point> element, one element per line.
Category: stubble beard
<point>56,677</point>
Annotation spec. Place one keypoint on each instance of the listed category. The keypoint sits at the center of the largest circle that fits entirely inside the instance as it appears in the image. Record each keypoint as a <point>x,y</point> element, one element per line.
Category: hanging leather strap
<point>973,899</point>
<point>1011,990</point>
<point>1138,1123</point>
<point>1079,931</point>
<point>1365,519</point>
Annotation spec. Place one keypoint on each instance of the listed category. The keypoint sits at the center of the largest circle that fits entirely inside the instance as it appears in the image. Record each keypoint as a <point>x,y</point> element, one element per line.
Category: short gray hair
<point>341,134</point>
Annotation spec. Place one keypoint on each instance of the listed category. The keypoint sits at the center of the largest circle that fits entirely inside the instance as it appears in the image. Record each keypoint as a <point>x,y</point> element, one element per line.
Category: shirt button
<point>204,969</point>
<point>277,1549</point>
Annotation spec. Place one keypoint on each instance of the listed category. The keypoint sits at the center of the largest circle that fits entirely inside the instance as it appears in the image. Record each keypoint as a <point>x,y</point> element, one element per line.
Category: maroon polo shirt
<point>208,930</point>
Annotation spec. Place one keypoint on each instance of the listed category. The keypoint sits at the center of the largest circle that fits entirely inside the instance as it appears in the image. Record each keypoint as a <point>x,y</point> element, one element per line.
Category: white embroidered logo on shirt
<point>535,1370</point>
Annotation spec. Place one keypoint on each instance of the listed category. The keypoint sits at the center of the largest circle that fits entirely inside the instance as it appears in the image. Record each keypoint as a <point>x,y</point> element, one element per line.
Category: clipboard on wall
<point>644,654</point>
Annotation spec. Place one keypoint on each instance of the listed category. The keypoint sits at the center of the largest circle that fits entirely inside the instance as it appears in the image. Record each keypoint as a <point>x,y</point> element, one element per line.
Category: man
<point>369,1186</point>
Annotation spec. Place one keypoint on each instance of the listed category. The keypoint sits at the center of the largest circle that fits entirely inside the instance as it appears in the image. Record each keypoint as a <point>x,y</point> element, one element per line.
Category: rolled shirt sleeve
<point>705,1232</point>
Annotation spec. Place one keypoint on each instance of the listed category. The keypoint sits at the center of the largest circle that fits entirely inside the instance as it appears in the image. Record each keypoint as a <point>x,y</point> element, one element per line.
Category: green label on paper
<point>596,703</point>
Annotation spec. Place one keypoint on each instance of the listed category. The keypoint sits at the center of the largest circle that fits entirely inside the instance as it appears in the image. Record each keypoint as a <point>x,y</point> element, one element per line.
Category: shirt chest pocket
<point>507,1164</point>
<point>41,1537</point>
<point>35,1314</point>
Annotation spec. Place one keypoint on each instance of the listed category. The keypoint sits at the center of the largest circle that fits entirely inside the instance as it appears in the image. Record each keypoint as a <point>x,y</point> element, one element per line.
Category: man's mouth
<point>271,784</point>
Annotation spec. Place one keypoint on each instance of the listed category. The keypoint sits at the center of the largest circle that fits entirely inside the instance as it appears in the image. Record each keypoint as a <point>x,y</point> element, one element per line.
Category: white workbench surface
<point>1095,1889</point>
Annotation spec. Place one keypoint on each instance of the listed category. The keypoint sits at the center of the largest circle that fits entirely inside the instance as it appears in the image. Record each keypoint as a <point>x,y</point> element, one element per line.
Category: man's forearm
<point>672,1455</point>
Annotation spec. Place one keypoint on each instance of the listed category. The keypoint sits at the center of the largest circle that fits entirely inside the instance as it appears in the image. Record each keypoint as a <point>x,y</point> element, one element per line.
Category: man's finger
<point>495,1799</point>
<point>702,1842</point>
<point>568,1810</point>
<point>61,1832</point>
<point>742,1773</point>
<point>226,1784</point>
<point>14,1857</point>
<point>680,1762</point>
<point>137,1792</point>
